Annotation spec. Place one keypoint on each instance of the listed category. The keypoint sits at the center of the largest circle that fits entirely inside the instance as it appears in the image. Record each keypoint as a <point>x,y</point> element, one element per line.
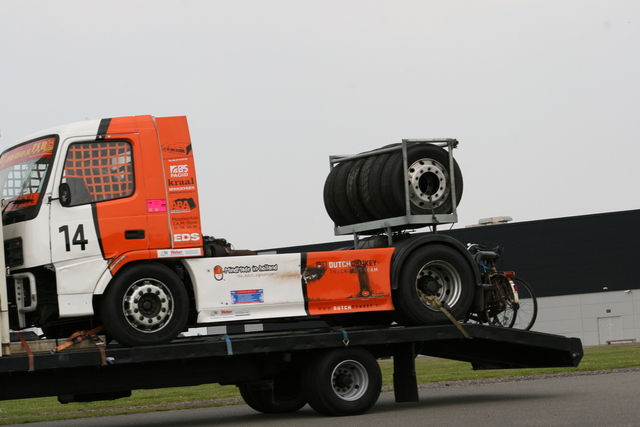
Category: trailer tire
<point>284,396</point>
<point>429,178</point>
<point>433,270</point>
<point>145,304</point>
<point>342,382</point>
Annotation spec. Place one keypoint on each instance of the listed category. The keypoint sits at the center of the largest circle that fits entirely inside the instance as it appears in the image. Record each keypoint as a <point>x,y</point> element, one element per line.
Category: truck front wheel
<point>342,382</point>
<point>433,271</point>
<point>144,305</point>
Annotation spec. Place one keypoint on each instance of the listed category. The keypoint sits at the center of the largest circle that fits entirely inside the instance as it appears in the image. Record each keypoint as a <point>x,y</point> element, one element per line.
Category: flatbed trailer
<point>131,256</point>
<point>281,371</point>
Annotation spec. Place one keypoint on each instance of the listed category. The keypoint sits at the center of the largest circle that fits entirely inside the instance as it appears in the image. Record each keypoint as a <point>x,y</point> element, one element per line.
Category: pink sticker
<point>157,205</point>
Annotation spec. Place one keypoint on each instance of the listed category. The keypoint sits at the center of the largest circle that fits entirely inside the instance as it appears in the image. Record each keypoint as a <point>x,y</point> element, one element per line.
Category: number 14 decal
<point>78,237</point>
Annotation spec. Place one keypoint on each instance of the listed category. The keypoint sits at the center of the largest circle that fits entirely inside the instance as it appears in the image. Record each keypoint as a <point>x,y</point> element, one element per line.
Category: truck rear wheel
<point>144,305</point>
<point>283,396</point>
<point>439,271</point>
<point>342,382</point>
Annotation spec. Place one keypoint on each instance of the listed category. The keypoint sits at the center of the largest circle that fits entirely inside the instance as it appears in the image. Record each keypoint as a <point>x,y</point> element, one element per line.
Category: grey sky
<point>542,95</point>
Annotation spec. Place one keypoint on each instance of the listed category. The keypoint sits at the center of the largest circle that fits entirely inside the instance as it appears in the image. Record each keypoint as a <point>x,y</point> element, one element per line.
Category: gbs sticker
<point>178,171</point>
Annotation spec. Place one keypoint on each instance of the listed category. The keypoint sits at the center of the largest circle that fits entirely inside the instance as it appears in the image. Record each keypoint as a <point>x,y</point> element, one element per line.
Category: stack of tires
<point>372,188</point>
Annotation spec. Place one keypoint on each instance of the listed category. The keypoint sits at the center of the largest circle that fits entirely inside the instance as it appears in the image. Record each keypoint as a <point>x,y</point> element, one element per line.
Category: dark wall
<point>563,256</point>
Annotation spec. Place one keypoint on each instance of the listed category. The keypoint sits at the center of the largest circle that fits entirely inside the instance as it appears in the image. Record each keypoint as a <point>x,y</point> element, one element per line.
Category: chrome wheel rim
<point>428,183</point>
<point>438,279</point>
<point>148,305</point>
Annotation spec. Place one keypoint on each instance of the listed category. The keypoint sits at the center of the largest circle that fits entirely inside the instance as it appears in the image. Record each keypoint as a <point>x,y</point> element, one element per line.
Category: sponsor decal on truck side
<point>245,271</point>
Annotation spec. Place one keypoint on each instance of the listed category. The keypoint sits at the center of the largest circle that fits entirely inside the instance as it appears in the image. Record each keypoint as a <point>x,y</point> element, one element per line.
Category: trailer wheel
<point>429,181</point>
<point>281,397</point>
<point>144,305</point>
<point>342,382</point>
<point>434,271</point>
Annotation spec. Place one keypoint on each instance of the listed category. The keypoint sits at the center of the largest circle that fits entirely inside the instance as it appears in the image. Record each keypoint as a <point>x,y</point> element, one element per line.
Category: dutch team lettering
<point>366,263</point>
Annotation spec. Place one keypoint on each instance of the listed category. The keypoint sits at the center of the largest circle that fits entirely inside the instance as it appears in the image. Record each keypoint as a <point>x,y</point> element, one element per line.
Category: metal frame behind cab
<point>407,221</point>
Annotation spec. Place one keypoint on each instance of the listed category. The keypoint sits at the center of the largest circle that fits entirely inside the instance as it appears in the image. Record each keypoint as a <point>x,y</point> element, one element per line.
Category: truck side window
<point>98,171</point>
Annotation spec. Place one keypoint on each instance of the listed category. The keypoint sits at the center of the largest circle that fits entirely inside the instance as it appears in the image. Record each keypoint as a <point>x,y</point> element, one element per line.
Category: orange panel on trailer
<point>348,281</point>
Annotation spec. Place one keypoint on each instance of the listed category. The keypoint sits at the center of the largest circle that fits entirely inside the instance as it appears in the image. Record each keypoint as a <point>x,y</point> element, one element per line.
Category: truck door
<point>94,174</point>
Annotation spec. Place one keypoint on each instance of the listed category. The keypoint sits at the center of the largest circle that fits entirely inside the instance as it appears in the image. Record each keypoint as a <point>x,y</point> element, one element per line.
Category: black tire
<point>336,199</point>
<point>434,270</point>
<point>281,397</point>
<point>370,186</point>
<point>527,305</point>
<point>354,196</point>
<point>340,195</point>
<point>145,304</point>
<point>329,197</point>
<point>342,382</point>
<point>430,181</point>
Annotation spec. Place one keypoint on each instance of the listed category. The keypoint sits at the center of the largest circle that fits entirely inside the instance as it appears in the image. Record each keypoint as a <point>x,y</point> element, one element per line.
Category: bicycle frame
<point>500,294</point>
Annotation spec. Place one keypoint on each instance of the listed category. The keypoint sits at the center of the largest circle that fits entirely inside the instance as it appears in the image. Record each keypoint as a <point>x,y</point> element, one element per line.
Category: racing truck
<point>102,226</point>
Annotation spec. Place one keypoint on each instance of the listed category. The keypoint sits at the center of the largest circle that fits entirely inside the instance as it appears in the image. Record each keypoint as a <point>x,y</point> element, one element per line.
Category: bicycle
<point>508,300</point>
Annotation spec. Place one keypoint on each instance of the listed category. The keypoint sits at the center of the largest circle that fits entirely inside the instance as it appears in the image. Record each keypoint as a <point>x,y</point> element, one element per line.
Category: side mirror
<point>65,194</point>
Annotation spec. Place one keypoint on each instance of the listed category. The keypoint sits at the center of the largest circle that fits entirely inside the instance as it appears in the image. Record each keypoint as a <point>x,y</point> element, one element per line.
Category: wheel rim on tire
<point>350,380</point>
<point>147,305</point>
<point>441,280</point>
<point>428,184</point>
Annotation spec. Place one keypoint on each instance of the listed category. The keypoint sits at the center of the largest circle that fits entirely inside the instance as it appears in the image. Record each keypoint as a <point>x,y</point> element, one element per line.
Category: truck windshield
<point>24,171</point>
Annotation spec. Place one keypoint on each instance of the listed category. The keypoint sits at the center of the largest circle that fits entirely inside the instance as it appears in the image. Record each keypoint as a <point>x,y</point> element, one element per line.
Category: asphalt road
<point>607,398</point>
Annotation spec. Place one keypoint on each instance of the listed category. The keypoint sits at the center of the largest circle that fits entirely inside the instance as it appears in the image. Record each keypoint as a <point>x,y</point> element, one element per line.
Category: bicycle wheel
<point>502,307</point>
<point>527,305</point>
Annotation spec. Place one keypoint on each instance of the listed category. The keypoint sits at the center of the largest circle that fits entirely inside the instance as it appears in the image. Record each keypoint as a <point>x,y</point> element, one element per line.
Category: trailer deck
<point>91,374</point>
